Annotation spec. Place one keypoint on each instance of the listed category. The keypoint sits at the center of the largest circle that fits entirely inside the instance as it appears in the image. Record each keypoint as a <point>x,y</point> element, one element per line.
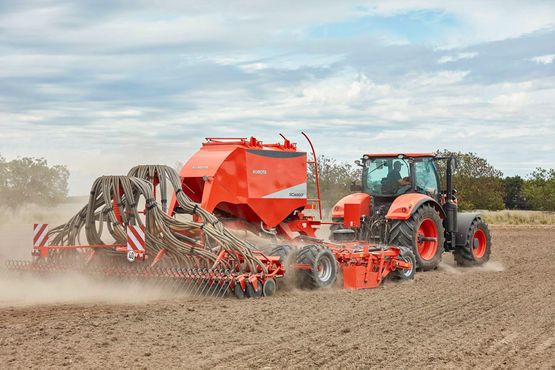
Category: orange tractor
<point>401,203</point>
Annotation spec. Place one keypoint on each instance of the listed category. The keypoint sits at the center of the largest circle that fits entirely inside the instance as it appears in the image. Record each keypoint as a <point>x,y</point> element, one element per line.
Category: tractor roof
<point>396,155</point>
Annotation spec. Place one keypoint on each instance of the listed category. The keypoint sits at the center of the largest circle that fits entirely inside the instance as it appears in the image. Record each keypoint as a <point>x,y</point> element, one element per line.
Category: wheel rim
<point>405,272</point>
<point>324,268</point>
<point>479,243</point>
<point>427,239</point>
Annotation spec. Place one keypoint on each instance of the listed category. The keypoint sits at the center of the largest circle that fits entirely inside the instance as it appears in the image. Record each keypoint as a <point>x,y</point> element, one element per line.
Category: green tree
<point>335,180</point>
<point>31,180</point>
<point>539,189</point>
<point>479,185</point>
<point>514,193</point>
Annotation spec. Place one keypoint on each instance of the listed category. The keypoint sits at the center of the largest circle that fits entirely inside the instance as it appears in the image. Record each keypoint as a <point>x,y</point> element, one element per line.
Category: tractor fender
<point>406,204</point>
<point>362,200</point>
<point>464,221</point>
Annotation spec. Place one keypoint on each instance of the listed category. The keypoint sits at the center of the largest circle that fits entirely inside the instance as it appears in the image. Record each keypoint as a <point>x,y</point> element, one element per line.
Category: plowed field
<point>498,316</point>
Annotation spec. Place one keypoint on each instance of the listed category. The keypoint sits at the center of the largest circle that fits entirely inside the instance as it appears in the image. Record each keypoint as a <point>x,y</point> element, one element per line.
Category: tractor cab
<point>388,176</point>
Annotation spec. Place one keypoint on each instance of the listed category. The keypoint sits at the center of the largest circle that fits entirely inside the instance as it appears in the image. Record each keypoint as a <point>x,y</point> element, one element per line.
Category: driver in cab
<point>394,180</point>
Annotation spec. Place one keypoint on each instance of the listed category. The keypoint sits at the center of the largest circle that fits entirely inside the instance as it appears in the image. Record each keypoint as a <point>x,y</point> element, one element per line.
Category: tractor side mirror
<point>355,187</point>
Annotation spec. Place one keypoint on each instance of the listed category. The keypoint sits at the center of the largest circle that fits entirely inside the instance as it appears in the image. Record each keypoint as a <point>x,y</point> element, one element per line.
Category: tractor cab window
<point>426,177</point>
<point>386,176</point>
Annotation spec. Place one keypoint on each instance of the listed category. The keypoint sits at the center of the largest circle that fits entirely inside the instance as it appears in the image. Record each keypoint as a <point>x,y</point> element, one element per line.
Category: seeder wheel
<point>281,251</point>
<point>406,255</point>
<point>322,265</point>
<point>239,291</point>
<point>253,292</point>
<point>269,288</point>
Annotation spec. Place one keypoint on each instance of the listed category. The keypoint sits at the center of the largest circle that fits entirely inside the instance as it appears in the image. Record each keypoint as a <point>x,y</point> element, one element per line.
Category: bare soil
<point>498,316</point>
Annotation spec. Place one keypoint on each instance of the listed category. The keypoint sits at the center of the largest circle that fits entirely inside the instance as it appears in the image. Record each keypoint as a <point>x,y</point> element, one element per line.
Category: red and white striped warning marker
<point>135,242</point>
<point>40,237</point>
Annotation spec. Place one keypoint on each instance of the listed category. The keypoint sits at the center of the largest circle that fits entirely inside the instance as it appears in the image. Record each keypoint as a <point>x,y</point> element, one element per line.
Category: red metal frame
<point>363,265</point>
<point>317,179</point>
<point>366,265</point>
<point>43,251</point>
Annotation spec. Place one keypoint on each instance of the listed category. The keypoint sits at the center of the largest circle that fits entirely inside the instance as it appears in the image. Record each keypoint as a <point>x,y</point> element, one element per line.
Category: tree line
<point>479,185</point>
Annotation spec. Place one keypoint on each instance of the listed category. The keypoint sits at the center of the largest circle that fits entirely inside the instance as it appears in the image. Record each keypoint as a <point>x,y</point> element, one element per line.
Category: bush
<point>479,185</point>
<point>514,193</point>
<point>539,189</point>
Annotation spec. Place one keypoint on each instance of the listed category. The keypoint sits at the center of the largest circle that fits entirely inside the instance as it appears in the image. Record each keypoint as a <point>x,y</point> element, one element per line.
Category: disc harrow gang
<point>197,255</point>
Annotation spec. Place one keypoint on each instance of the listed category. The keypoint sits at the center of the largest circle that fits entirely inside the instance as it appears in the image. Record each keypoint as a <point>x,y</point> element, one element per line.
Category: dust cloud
<point>16,225</point>
<point>16,233</point>
<point>28,289</point>
<point>491,266</point>
<point>450,269</point>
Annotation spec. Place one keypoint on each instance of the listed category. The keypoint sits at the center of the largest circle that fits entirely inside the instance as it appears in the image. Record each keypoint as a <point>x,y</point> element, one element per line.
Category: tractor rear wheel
<point>477,248</point>
<point>423,233</point>
<point>322,265</point>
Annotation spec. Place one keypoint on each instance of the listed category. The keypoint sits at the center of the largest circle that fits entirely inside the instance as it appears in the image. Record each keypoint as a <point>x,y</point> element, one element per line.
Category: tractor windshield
<point>427,181</point>
<point>386,176</point>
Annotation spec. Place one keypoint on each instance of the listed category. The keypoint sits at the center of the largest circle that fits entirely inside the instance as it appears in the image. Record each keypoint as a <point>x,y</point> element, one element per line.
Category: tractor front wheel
<point>423,233</point>
<point>477,248</point>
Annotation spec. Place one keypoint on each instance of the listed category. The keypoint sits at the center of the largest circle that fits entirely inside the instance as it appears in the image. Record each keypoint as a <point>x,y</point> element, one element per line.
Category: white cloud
<point>120,113</point>
<point>511,102</point>
<point>456,57</point>
<point>544,59</point>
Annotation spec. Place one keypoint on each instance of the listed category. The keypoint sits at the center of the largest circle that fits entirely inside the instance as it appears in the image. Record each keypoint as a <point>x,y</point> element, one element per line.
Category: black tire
<point>323,267</point>
<point>405,233</point>
<point>269,288</point>
<point>253,293</point>
<point>239,293</point>
<point>281,251</point>
<point>407,256</point>
<point>477,237</point>
<point>258,290</point>
<point>335,227</point>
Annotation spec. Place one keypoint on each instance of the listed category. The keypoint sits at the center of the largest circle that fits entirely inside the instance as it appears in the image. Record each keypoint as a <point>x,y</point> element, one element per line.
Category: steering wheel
<point>421,189</point>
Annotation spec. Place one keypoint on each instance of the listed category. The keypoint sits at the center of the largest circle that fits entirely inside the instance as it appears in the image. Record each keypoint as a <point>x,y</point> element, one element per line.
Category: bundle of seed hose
<point>211,226</point>
<point>113,203</point>
<point>125,192</point>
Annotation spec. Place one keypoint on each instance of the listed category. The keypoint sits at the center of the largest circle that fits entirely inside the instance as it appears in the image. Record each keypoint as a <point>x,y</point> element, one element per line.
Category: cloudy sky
<point>101,86</point>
